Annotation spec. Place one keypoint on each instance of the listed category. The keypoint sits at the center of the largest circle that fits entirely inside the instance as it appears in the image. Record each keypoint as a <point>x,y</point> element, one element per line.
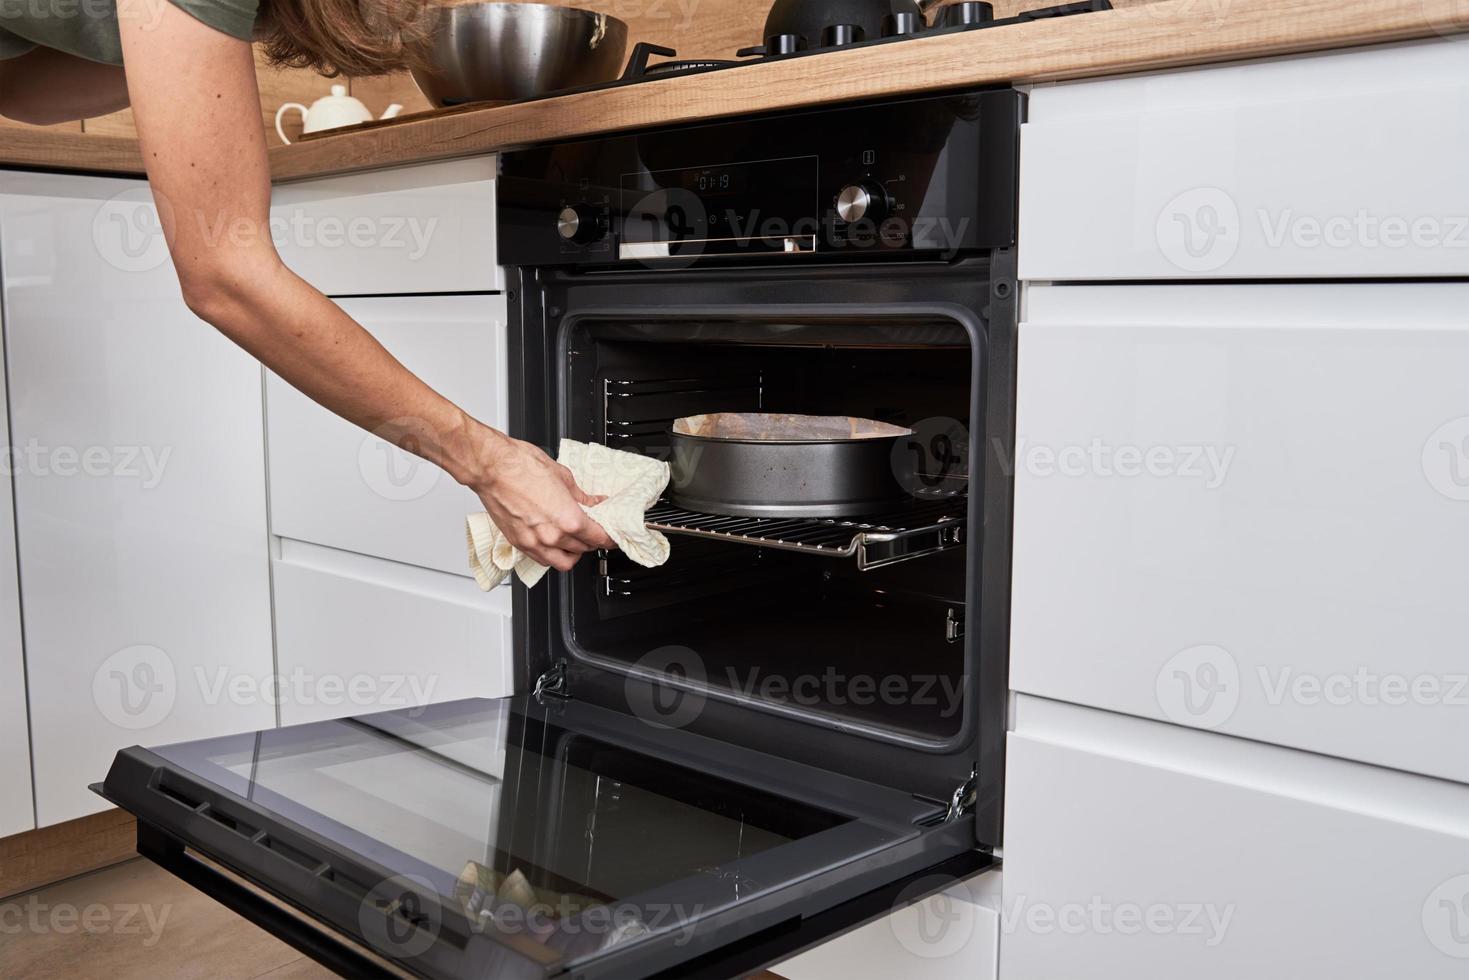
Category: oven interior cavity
<point>858,621</point>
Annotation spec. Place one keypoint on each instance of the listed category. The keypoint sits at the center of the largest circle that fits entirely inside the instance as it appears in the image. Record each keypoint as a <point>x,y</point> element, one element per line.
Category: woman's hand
<point>536,504</point>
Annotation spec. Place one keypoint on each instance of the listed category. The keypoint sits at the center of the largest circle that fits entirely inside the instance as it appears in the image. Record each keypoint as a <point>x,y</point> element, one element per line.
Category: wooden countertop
<point>45,149</point>
<point>1168,33</point>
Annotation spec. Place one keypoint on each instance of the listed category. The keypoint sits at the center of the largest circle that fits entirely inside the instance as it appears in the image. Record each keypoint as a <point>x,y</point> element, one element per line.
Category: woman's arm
<point>197,110</point>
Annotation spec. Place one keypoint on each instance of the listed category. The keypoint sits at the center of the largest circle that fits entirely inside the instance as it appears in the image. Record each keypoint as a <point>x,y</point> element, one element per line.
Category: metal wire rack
<point>924,527</point>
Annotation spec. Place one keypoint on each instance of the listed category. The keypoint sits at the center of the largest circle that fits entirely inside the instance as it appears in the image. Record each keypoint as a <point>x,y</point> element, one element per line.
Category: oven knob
<point>842,35</point>
<point>904,24</point>
<point>579,223</point>
<point>969,13</point>
<point>865,199</point>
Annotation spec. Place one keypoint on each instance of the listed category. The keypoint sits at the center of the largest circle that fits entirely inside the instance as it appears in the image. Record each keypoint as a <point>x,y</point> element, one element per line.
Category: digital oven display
<point>729,209</point>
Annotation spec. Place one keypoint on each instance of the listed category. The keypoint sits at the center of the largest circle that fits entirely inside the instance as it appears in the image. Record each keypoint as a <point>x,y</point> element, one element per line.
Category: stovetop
<point>970,15</point>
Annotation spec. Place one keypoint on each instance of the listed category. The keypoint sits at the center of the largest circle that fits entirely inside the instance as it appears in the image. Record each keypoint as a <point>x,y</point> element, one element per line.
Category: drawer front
<point>955,933</point>
<point>1335,165</point>
<point>1244,508</point>
<point>421,229</point>
<point>1152,852</point>
<point>333,484</point>
<point>357,635</point>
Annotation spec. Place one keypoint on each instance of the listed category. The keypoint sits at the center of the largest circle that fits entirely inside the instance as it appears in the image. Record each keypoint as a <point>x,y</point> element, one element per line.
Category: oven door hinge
<point>553,684</point>
<point>964,798</point>
<point>954,625</point>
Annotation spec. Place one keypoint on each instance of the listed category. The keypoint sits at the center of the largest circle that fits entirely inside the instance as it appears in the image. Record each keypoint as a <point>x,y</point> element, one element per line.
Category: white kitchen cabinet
<point>139,489</point>
<point>954,933</point>
<point>1344,164</point>
<point>336,485</point>
<point>1146,851</point>
<point>357,635</point>
<point>1245,508</point>
<point>428,228</point>
<point>17,809</point>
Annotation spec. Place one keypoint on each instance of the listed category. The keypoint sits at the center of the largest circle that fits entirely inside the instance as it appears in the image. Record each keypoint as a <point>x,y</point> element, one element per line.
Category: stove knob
<point>579,224</point>
<point>841,35</point>
<point>902,25</point>
<point>968,14</point>
<point>864,199</point>
<point>779,44</point>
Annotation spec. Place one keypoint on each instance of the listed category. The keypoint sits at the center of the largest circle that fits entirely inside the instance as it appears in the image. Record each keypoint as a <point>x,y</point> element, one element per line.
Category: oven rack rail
<point>927,526</point>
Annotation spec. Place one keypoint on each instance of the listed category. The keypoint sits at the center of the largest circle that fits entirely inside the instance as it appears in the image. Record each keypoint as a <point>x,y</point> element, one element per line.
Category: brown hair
<point>356,38</point>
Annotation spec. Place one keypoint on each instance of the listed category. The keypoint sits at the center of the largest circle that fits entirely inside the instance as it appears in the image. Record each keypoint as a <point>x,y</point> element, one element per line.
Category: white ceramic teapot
<point>330,112</point>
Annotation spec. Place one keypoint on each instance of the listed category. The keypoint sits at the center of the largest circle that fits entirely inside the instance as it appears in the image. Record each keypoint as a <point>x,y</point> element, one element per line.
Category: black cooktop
<point>970,15</point>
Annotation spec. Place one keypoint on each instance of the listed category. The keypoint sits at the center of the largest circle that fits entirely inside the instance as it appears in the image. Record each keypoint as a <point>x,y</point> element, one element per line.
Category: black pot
<point>808,18</point>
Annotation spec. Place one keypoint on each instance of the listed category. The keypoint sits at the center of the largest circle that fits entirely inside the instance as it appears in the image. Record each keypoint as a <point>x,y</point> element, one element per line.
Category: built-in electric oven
<point>796,721</point>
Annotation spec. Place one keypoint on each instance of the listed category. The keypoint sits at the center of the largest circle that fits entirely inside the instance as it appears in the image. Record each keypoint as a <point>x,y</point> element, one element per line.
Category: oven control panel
<point>921,177</point>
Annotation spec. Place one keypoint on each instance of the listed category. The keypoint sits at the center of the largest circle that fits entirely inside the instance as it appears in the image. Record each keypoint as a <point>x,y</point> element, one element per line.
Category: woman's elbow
<point>207,295</point>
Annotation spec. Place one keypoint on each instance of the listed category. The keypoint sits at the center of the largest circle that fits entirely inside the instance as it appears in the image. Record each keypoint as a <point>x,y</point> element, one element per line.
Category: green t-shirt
<point>88,28</point>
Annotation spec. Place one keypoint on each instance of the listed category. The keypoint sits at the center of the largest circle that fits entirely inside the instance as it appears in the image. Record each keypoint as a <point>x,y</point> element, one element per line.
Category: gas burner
<point>639,69</point>
<point>680,67</point>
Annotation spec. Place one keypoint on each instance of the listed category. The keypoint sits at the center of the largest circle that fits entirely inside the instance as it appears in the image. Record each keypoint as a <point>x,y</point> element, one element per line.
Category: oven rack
<point>926,526</point>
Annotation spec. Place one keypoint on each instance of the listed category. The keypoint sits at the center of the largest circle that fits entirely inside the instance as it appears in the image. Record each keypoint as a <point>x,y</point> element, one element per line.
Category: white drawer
<point>357,635</point>
<point>955,933</point>
<point>1149,852</point>
<point>421,229</point>
<point>1342,164</point>
<point>334,484</point>
<point>1246,508</point>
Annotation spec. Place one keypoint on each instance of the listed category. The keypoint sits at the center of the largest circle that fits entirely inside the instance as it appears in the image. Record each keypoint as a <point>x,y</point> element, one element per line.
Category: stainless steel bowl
<point>499,52</point>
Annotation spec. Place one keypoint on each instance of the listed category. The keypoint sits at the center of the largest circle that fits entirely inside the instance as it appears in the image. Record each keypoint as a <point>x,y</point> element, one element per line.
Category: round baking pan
<point>788,478</point>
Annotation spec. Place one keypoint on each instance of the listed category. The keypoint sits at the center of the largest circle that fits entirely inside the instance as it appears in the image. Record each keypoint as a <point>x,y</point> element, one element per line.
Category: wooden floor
<point>135,921</point>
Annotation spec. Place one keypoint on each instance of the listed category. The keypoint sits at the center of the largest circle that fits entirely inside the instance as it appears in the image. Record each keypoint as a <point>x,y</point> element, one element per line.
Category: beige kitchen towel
<point>631,484</point>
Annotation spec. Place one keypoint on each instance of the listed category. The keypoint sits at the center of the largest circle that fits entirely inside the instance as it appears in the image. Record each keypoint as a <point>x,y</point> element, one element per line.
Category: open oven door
<point>532,837</point>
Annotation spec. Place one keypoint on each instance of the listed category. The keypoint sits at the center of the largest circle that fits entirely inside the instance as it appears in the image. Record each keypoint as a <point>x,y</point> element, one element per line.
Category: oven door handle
<point>718,247</point>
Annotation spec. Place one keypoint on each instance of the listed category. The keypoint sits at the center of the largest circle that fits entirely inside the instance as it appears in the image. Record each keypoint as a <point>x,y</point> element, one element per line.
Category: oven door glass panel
<point>511,838</point>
